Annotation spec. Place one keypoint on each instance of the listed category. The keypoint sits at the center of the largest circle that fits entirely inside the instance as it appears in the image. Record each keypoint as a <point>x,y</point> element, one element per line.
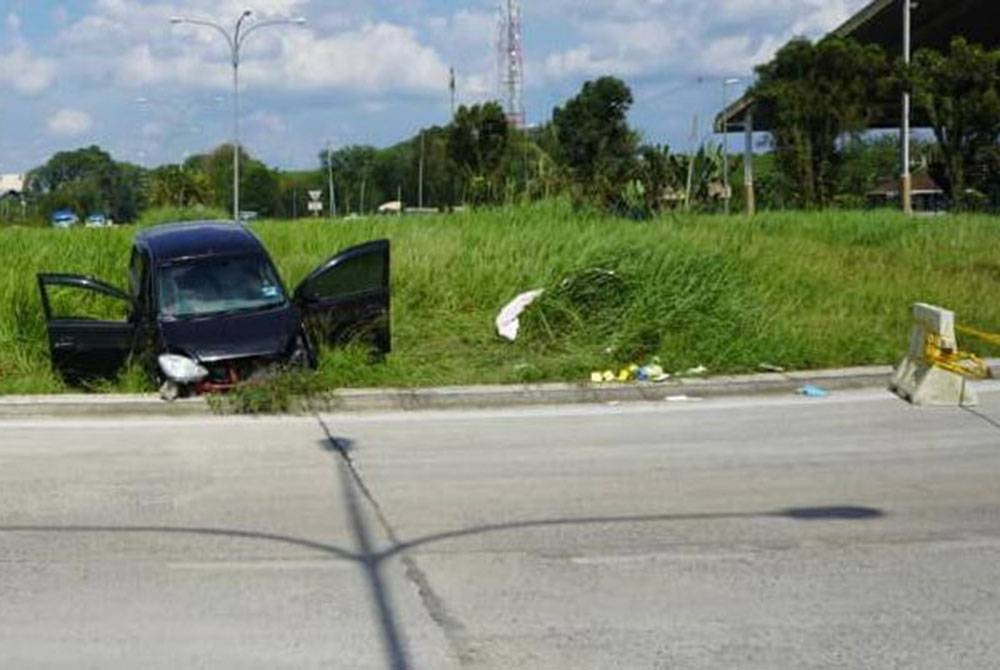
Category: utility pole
<point>691,159</point>
<point>451,87</point>
<point>906,189</point>
<point>329,173</point>
<point>420,189</point>
<point>725,139</point>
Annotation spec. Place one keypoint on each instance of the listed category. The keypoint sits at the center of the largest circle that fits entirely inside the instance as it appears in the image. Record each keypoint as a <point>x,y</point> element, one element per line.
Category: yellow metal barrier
<point>959,362</point>
<point>962,363</point>
<point>991,338</point>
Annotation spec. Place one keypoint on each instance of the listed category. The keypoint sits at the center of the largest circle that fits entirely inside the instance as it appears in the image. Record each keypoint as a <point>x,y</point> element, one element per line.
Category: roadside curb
<point>469,397</point>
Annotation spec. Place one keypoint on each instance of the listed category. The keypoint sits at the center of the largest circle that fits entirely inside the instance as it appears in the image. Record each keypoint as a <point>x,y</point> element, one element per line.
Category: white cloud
<point>69,122</point>
<point>583,62</point>
<point>20,68</point>
<point>136,46</point>
<point>654,37</point>
<point>26,72</point>
<point>376,58</point>
<point>465,28</point>
<point>270,122</point>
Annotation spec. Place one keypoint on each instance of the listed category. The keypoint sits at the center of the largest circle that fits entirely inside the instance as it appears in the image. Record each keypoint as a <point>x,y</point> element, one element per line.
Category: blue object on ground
<point>811,391</point>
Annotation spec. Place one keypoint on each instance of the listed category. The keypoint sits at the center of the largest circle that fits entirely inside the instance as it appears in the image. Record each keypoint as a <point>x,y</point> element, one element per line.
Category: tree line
<point>818,99</point>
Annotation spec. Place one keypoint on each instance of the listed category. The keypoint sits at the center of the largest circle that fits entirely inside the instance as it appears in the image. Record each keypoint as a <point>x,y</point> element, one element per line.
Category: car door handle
<point>64,344</point>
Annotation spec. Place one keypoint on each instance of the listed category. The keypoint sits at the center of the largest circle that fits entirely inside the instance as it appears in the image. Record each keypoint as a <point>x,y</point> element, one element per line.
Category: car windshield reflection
<point>233,284</point>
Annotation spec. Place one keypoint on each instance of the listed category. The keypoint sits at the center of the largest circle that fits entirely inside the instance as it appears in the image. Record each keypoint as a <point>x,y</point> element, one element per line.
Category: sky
<point>116,73</point>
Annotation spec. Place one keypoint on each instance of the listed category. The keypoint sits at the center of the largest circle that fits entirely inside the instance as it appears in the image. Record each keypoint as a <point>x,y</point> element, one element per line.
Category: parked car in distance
<point>97,221</point>
<point>206,309</point>
<point>64,218</point>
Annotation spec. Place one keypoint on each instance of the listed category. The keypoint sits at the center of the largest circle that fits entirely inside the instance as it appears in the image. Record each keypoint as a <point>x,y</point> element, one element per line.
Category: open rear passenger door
<point>87,340</point>
<point>347,298</point>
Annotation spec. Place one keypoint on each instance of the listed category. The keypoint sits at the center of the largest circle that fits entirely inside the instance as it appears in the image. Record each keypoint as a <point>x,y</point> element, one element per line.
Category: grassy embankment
<point>800,290</point>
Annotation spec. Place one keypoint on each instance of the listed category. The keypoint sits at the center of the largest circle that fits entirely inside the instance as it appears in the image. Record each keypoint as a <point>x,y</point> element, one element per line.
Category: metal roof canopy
<point>935,23</point>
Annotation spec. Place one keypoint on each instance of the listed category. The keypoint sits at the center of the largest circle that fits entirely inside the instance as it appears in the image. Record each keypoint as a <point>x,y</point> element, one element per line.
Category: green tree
<point>174,186</point>
<point>441,177</point>
<point>353,167</point>
<point>259,187</point>
<point>958,91</point>
<point>813,95</point>
<point>477,143</point>
<point>594,141</point>
<point>89,180</point>
<point>867,161</point>
<point>662,174</point>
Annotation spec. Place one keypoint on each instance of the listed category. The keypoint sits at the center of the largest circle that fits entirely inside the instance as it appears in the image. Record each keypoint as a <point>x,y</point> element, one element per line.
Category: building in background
<point>11,185</point>
<point>12,200</point>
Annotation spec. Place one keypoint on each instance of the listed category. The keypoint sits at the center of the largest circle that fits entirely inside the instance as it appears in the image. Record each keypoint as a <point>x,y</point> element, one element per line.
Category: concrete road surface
<point>847,532</point>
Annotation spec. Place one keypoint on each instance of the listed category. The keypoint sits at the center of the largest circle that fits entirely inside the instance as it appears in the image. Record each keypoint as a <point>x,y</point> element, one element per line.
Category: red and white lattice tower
<point>510,62</point>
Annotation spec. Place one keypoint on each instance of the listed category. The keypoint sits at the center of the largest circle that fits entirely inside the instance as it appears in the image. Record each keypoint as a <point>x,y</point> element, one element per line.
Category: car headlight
<point>181,369</point>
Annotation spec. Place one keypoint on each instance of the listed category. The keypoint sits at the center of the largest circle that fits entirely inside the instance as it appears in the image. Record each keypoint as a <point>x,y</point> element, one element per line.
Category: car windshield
<point>227,284</point>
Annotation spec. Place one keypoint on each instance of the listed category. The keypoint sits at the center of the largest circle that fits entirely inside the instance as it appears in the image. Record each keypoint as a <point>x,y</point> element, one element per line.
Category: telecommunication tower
<point>510,61</point>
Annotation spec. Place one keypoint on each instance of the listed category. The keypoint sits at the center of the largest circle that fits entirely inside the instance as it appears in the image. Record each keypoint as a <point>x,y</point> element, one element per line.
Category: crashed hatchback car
<point>206,309</point>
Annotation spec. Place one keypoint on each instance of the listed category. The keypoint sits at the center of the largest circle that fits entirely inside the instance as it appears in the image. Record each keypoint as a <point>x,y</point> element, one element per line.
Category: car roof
<point>197,239</point>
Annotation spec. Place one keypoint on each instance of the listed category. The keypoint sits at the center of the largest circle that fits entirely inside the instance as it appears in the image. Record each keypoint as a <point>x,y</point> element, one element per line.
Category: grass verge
<point>798,290</point>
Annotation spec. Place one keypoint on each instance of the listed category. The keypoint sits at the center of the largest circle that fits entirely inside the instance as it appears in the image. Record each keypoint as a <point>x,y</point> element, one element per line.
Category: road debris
<point>767,367</point>
<point>813,391</point>
<point>508,321</point>
<point>653,372</point>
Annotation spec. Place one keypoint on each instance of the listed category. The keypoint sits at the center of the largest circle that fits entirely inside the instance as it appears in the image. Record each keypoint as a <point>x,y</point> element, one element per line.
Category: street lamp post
<point>329,175</point>
<point>235,40</point>
<point>906,188</point>
<point>726,83</point>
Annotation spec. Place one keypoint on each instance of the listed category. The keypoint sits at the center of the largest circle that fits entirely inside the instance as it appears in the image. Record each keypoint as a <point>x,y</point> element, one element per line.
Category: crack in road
<point>985,417</point>
<point>453,629</point>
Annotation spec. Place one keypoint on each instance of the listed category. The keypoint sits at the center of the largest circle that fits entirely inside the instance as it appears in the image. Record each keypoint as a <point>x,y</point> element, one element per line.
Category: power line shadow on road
<point>372,564</point>
<point>227,533</point>
<point>835,513</point>
<point>355,491</point>
<point>392,638</point>
<point>372,561</point>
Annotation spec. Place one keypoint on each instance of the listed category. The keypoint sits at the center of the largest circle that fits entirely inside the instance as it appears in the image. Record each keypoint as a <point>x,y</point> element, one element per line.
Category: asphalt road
<point>847,532</point>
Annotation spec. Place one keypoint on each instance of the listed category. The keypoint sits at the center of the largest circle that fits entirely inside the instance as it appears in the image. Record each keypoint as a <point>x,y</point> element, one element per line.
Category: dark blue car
<point>206,309</point>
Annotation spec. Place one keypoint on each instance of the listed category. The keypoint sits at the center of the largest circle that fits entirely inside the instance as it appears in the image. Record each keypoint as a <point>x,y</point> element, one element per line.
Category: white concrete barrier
<point>918,379</point>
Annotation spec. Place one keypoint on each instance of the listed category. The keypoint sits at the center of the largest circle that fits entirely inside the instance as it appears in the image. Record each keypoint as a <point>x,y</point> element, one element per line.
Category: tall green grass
<point>800,290</point>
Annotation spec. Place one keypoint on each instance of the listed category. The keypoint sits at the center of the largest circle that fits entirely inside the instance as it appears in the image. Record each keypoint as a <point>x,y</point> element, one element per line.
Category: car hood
<point>224,337</point>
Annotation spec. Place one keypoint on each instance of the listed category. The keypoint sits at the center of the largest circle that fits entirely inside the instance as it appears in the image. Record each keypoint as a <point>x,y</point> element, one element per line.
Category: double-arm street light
<point>235,40</point>
<point>906,189</point>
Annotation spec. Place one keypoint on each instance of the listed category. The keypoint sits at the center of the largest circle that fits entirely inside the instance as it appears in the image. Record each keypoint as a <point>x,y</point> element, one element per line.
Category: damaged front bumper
<point>185,376</point>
